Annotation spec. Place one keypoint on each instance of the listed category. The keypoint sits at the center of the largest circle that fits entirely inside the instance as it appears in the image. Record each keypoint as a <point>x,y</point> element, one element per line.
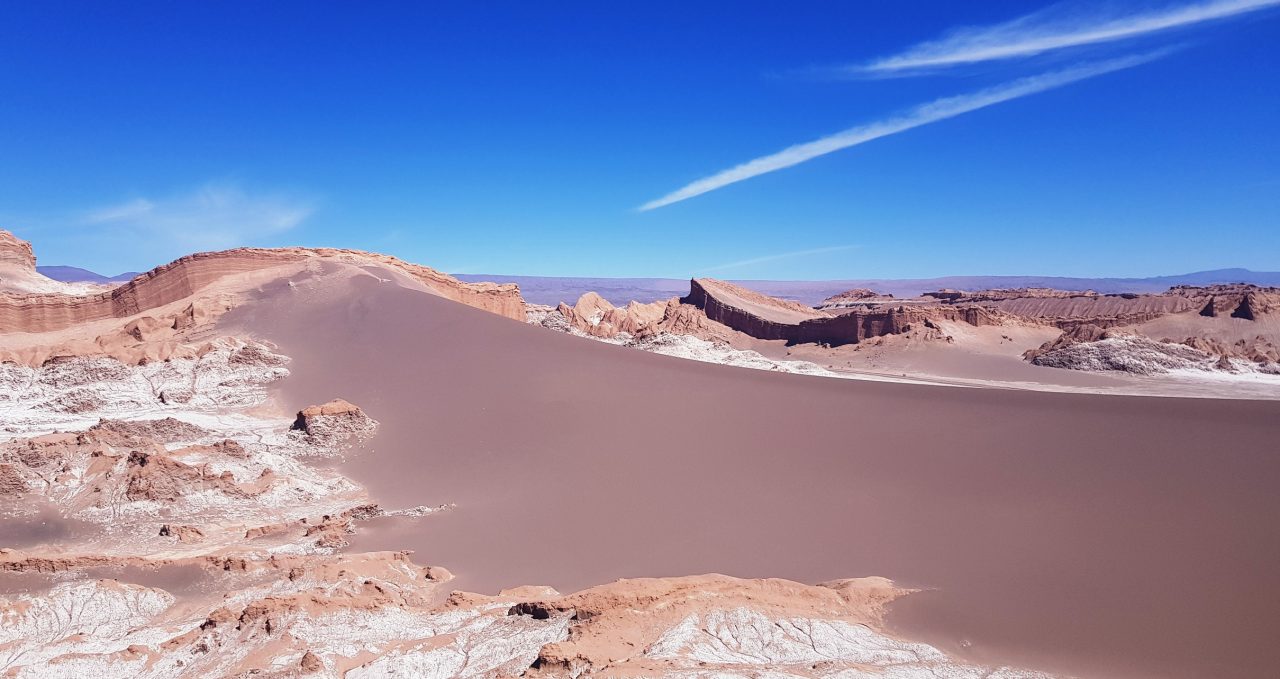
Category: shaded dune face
<point>1101,536</point>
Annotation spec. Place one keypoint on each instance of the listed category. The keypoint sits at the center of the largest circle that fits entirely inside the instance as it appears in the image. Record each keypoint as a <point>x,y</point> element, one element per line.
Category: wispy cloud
<point>214,216</point>
<point>1057,27</point>
<point>934,111</point>
<point>774,258</point>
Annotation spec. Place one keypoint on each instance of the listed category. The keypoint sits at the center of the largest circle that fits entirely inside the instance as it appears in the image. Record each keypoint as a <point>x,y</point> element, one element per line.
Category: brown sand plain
<point>1094,535</point>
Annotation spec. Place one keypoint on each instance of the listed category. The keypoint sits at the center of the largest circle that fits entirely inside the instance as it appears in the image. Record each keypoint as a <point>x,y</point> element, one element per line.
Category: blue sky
<point>482,137</point>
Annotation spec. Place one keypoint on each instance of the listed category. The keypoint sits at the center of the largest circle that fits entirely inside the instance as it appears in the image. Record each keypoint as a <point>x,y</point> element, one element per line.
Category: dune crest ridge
<point>26,310</point>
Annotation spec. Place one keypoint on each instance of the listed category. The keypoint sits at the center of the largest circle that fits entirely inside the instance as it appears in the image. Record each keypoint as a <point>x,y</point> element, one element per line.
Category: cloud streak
<point>1055,28</point>
<point>774,258</point>
<point>214,216</point>
<point>940,109</point>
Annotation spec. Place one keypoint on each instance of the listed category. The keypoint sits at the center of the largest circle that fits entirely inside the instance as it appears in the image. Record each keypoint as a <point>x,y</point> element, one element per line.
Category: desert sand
<point>1091,535</point>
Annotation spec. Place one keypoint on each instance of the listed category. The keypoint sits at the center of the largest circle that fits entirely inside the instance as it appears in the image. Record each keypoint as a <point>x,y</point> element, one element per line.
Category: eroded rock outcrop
<point>1090,347</point>
<point>596,316</point>
<point>714,625</point>
<point>333,424</point>
<point>1246,302</point>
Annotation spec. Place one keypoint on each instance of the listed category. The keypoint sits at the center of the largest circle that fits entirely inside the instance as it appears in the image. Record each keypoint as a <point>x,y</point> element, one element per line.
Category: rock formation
<point>18,273</point>
<point>595,316</point>
<point>1090,347</point>
<point>854,297</point>
<point>1231,328</point>
<point>15,252</point>
<point>769,318</point>
<point>333,424</point>
<point>1246,302</point>
<point>1156,332</point>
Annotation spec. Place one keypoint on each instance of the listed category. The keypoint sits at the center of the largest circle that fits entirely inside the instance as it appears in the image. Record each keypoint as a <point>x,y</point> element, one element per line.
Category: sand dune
<point>1103,536</point>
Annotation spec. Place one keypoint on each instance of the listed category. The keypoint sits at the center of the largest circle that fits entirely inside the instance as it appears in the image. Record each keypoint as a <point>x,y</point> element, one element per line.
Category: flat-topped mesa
<point>855,297</point>
<point>1001,294</point>
<point>769,318</point>
<point>191,274</point>
<point>1067,308</point>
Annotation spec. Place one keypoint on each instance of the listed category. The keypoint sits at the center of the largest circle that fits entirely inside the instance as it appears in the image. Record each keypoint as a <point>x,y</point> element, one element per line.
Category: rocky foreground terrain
<point>162,518</point>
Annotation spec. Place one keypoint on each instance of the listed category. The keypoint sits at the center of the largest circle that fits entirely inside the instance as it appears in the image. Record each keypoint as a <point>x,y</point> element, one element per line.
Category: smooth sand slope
<point>1096,535</point>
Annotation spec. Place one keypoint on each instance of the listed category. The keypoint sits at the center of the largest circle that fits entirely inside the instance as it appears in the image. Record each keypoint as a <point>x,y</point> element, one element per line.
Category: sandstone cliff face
<point>189,275</point>
<point>797,324</point>
<point>1248,302</point>
<point>18,270</point>
<point>16,252</point>
<point>732,306</point>
<point>861,325</point>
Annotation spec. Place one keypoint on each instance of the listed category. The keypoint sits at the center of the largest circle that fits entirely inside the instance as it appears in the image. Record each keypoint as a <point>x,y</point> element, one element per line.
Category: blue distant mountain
<point>556,289</point>
<point>74,274</point>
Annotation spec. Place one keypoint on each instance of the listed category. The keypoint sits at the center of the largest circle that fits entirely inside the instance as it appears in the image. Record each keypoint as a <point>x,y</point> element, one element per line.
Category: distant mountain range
<point>552,290</point>
<point>556,289</point>
<point>74,274</point>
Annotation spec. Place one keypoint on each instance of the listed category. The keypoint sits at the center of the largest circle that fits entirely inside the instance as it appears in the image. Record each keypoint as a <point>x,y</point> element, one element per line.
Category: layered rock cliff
<point>16,252</point>
<point>773,319</point>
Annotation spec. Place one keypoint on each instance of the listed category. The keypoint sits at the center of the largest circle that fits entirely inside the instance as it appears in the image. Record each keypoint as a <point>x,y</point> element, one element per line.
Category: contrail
<point>1054,28</point>
<point>934,111</point>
